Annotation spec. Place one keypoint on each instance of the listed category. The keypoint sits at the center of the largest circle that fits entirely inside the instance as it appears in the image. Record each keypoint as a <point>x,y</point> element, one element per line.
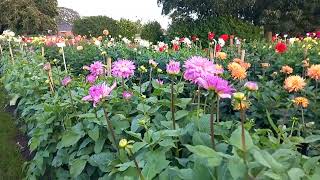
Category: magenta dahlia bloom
<point>251,86</point>
<point>98,92</point>
<point>216,84</point>
<point>67,80</point>
<point>126,95</point>
<point>173,68</point>
<point>123,68</point>
<point>91,78</point>
<point>198,67</point>
<point>96,68</point>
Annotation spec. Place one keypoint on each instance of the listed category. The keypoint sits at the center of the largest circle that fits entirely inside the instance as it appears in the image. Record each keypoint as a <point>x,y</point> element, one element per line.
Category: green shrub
<point>220,25</point>
<point>151,31</point>
<point>127,28</point>
<point>94,25</point>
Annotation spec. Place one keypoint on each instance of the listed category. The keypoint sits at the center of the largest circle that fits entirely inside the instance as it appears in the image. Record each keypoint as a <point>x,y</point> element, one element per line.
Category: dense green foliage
<point>28,16</point>
<point>94,25</point>
<point>221,25</point>
<point>290,16</point>
<point>73,139</point>
<point>152,31</point>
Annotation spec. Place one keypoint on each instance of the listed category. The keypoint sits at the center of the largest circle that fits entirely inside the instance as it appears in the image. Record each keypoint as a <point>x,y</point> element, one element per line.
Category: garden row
<point>111,109</point>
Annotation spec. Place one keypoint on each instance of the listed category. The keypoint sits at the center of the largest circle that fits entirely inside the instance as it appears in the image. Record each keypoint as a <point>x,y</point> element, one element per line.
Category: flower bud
<point>123,143</point>
<point>239,96</point>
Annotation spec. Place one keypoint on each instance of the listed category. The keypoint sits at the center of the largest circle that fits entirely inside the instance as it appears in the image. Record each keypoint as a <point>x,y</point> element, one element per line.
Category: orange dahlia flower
<point>237,71</point>
<point>314,72</point>
<point>221,55</point>
<point>286,69</point>
<point>294,83</point>
<point>301,101</point>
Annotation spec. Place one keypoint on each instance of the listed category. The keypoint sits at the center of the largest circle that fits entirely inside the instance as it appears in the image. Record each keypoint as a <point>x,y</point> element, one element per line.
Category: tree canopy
<point>291,16</point>
<point>28,16</point>
<point>67,16</point>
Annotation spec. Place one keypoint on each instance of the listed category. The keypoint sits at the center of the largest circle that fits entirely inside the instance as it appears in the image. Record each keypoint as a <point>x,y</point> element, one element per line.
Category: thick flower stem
<point>172,106</point>
<point>110,128</point>
<point>218,109</point>
<point>71,100</point>
<point>212,123</point>
<point>302,118</point>
<point>199,95</point>
<point>243,139</point>
<point>137,165</point>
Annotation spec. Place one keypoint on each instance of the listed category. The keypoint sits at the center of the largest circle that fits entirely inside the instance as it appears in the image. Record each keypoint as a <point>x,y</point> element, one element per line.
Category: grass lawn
<point>11,160</point>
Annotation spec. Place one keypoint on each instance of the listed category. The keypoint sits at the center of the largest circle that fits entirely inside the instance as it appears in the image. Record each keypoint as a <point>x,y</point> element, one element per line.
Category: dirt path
<point>11,160</point>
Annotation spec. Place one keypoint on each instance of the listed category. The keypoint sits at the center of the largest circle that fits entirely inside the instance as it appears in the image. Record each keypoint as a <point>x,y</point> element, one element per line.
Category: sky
<point>145,10</point>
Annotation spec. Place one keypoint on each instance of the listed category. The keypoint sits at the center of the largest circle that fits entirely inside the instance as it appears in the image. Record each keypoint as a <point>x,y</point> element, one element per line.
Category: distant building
<point>65,29</point>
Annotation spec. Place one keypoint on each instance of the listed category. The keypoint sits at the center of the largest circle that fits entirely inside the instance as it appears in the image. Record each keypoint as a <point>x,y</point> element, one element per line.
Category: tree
<point>94,25</point>
<point>67,16</point>
<point>28,16</point>
<point>128,28</point>
<point>151,31</point>
<point>291,16</point>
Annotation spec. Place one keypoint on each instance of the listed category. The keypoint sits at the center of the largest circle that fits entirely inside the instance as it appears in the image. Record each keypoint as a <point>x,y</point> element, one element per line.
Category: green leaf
<point>236,141</point>
<point>183,102</point>
<point>178,115</point>
<point>99,145</point>
<point>312,138</point>
<point>77,167</point>
<point>155,163</point>
<point>237,168</point>
<point>88,115</point>
<point>101,160</point>
<point>265,159</point>
<point>311,163</point>
<point>69,138</point>
<point>143,108</point>
<point>213,158</point>
<point>296,173</point>
<point>94,133</point>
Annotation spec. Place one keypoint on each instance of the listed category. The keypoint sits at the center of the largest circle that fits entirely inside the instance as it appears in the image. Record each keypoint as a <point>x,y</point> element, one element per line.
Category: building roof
<point>64,27</point>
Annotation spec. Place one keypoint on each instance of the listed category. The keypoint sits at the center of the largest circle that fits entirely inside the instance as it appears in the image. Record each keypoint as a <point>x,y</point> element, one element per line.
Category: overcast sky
<point>145,10</point>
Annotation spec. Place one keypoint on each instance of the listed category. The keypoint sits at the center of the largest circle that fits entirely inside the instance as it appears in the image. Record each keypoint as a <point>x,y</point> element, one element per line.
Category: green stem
<point>292,126</point>
<point>111,128</point>
<point>302,117</point>
<point>218,108</point>
<point>243,139</point>
<point>137,165</point>
<point>212,124</point>
<point>198,110</point>
<point>71,100</point>
<point>172,106</point>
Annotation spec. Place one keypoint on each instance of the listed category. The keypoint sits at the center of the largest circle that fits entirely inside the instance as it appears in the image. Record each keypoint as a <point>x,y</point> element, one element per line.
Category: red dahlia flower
<point>281,47</point>
<point>211,36</point>
<point>225,37</point>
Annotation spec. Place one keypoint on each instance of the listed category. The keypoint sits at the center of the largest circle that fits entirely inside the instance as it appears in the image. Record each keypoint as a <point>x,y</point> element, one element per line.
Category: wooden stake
<point>42,51</point>
<point>11,53</point>
<point>109,62</point>
<point>231,40</point>
<point>243,53</point>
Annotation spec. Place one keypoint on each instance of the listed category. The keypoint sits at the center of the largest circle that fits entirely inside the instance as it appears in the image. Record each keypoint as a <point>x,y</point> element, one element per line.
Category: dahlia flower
<point>173,68</point>
<point>251,86</point>
<point>294,83</point>
<point>216,84</point>
<point>211,36</point>
<point>281,47</point>
<point>237,71</point>
<point>126,95</point>
<point>98,92</point>
<point>301,101</point>
<point>286,69</point>
<point>97,68</point>
<point>314,72</point>
<point>67,80</point>
<point>198,67</point>
<point>123,68</point>
<point>91,78</point>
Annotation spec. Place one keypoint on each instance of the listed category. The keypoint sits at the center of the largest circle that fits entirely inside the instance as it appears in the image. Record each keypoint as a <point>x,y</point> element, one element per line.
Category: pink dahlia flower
<point>98,92</point>
<point>123,68</point>
<point>159,81</point>
<point>91,78</point>
<point>67,80</point>
<point>126,95</point>
<point>198,67</point>
<point>173,67</point>
<point>96,68</point>
<point>216,84</point>
<point>251,86</point>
